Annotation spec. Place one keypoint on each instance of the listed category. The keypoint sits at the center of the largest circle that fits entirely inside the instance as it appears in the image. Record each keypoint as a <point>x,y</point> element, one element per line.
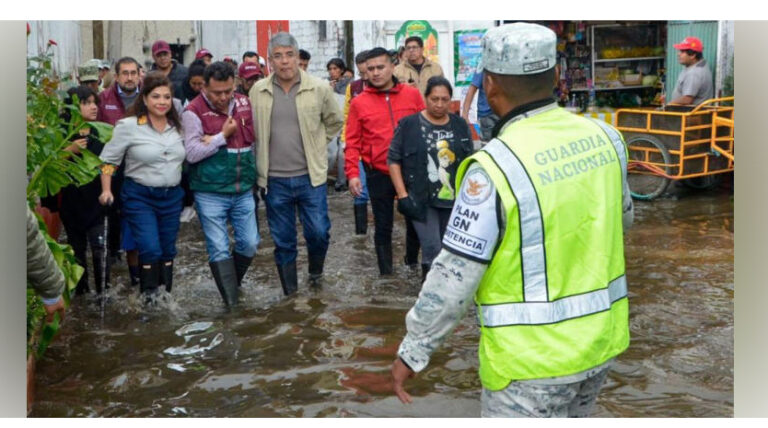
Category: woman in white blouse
<point>151,142</point>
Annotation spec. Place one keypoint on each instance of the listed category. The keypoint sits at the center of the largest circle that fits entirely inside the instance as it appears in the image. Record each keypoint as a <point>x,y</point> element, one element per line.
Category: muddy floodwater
<point>327,352</point>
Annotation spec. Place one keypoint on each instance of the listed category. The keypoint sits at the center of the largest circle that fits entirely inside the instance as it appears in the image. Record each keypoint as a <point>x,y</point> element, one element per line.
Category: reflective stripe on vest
<point>533,313</point>
<point>531,223</point>
<point>537,309</point>
<point>618,144</point>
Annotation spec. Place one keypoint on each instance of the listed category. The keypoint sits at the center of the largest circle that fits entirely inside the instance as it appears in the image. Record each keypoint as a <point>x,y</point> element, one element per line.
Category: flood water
<point>327,352</point>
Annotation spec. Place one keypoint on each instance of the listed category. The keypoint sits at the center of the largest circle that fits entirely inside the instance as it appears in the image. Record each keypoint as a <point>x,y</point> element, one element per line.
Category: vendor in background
<point>423,156</point>
<point>150,141</point>
<point>694,84</point>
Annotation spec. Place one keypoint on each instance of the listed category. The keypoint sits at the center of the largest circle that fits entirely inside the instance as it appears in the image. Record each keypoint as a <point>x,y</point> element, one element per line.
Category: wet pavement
<point>327,352</point>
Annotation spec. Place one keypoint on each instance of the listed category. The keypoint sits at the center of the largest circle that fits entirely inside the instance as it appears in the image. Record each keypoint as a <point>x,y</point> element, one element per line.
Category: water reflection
<point>327,352</point>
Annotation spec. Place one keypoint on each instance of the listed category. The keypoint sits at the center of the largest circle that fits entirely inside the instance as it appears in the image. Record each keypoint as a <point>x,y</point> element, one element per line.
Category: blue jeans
<point>284,195</point>
<point>128,243</point>
<point>153,216</point>
<point>363,198</point>
<point>214,209</point>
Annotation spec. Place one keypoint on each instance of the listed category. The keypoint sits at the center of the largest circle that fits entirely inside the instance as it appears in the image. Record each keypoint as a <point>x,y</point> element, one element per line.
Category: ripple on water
<point>327,352</point>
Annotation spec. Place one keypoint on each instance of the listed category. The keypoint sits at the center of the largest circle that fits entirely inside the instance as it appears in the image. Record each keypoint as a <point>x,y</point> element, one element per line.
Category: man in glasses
<point>113,103</point>
<point>416,69</point>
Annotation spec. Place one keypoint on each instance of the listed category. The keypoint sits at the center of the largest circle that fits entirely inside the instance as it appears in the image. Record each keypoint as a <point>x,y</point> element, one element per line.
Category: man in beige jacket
<point>296,116</point>
<point>417,69</point>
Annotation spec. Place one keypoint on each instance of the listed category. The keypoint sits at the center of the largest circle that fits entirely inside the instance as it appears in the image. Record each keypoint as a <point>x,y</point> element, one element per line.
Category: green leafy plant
<point>50,168</point>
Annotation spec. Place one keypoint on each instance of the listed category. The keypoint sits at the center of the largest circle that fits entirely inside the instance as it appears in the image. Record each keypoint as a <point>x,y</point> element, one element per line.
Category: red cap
<point>160,46</point>
<point>248,70</point>
<point>690,42</point>
<point>203,52</point>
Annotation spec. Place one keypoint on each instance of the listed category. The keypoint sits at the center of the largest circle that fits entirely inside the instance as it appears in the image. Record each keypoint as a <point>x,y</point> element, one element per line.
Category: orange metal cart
<point>677,143</point>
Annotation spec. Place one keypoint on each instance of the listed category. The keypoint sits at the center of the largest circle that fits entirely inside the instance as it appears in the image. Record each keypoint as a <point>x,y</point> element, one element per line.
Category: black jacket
<point>413,156</point>
<point>187,93</point>
<point>177,76</point>
<point>80,208</point>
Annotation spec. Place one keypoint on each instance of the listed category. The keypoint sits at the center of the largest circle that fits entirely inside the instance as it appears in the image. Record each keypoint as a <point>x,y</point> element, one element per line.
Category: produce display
<point>630,52</point>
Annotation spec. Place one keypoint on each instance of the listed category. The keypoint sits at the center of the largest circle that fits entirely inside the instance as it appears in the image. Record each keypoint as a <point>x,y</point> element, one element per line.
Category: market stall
<point>604,66</point>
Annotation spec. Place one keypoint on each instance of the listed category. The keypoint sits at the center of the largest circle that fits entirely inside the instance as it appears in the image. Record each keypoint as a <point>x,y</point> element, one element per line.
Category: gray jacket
<point>43,274</point>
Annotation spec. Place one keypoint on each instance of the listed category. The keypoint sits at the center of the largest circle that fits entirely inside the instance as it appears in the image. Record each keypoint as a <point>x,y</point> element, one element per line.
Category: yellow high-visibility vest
<point>553,301</point>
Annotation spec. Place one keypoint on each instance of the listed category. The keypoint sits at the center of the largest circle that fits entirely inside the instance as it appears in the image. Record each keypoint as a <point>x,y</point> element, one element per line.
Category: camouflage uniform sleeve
<point>455,275</point>
<point>43,274</point>
<point>628,208</point>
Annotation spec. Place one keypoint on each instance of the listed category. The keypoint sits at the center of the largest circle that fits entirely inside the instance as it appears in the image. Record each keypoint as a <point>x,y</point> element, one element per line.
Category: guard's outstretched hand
<point>401,372</point>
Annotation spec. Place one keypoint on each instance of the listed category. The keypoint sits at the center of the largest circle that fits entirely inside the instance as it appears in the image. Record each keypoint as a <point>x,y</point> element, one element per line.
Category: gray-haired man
<point>297,115</point>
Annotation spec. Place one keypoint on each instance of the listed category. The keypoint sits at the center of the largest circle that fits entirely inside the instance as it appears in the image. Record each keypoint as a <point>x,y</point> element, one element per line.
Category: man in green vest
<point>536,236</point>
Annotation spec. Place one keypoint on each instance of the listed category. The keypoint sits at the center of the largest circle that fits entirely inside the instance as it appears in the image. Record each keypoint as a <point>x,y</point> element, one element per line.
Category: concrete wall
<point>69,51</point>
<point>307,34</point>
<point>135,38</point>
<point>725,54</point>
<point>226,38</point>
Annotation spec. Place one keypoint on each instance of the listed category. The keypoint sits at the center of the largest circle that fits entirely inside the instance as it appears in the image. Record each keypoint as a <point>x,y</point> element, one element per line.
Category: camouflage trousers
<point>539,400</point>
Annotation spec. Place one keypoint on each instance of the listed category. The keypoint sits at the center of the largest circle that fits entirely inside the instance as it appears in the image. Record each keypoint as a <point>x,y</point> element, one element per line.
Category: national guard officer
<point>536,235</point>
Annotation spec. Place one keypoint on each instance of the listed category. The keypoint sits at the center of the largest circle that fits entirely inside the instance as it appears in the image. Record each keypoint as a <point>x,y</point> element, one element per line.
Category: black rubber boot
<point>149,278</point>
<point>225,275</point>
<point>361,219</point>
<point>384,257</point>
<point>241,267</point>
<point>288,278</point>
<point>412,246</point>
<point>82,284</point>
<point>166,274</point>
<point>424,272</point>
<point>316,270</point>
<point>133,271</point>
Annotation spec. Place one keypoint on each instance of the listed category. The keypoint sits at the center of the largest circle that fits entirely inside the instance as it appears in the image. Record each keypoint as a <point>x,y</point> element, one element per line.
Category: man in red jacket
<point>373,116</point>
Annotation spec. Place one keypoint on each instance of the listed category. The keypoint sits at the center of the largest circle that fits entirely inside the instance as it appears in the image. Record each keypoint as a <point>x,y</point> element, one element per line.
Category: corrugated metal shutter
<point>707,31</point>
